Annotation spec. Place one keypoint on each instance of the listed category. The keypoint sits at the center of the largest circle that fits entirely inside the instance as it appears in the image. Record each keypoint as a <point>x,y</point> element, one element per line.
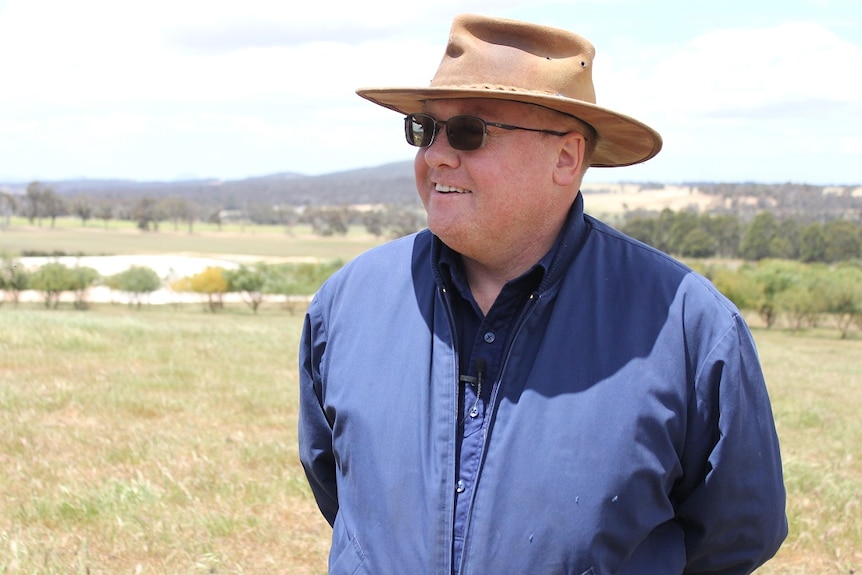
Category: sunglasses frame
<point>436,124</point>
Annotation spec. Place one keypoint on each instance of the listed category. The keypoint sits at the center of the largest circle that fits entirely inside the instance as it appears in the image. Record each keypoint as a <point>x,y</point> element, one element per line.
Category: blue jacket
<point>631,431</point>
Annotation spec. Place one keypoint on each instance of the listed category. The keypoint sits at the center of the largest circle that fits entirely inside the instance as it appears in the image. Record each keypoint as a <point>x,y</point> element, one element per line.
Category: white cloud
<point>225,88</point>
<point>773,103</point>
<point>739,72</point>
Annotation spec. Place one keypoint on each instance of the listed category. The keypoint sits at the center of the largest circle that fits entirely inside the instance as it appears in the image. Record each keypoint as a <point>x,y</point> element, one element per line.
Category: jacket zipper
<point>450,488</point>
<point>490,409</point>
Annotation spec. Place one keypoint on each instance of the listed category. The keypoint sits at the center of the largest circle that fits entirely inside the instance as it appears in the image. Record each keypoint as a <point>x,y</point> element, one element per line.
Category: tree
<point>52,279</point>
<point>801,301</point>
<point>13,279</point>
<point>35,191</point>
<point>80,279</point>
<point>7,207</point>
<point>105,211</point>
<point>137,281</point>
<point>215,218</point>
<point>843,297</point>
<point>772,277</point>
<point>738,286</point>
<point>299,279</point>
<point>642,229</point>
<point>697,244</point>
<point>210,282</point>
<point>842,241</point>
<point>757,241</point>
<point>83,208</point>
<point>53,205</point>
<point>812,244</point>
<point>786,242</point>
<point>682,225</point>
<point>374,221</point>
<point>402,221</point>
<point>249,281</point>
<point>725,231</point>
<point>148,215</point>
<point>328,221</point>
<point>178,210</point>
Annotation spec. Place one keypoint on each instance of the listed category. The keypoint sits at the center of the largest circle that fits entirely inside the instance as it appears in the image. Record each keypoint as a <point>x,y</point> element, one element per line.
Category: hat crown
<point>522,62</point>
<point>506,54</point>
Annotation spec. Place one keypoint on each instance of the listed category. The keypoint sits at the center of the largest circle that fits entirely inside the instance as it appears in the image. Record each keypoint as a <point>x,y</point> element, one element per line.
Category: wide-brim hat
<point>511,60</point>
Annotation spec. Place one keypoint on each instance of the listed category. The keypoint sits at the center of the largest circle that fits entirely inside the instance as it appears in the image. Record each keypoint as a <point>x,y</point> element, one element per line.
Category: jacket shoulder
<point>384,267</point>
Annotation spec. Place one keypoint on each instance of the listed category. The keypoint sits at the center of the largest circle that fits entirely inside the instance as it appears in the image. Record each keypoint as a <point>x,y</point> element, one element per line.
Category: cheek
<point>420,173</point>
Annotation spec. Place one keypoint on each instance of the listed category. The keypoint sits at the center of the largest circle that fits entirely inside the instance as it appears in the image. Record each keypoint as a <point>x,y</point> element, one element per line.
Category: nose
<point>440,153</point>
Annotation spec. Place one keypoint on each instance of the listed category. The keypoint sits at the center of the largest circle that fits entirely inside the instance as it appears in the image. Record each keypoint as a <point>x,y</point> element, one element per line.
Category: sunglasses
<point>463,132</point>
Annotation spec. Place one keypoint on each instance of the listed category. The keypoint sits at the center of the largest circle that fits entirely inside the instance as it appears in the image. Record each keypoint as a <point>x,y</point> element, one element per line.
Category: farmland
<point>163,440</point>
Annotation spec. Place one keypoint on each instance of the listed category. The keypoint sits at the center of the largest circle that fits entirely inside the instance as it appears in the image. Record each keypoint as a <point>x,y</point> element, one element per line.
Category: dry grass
<point>164,441</point>
<point>121,238</point>
<point>816,386</point>
<point>155,442</point>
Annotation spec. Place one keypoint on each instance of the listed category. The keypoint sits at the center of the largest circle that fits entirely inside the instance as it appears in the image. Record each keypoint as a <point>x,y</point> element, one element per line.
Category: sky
<point>766,91</point>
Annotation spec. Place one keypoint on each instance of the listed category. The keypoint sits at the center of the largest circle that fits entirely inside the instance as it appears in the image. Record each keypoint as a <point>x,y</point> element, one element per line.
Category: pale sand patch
<point>169,266</point>
<point>616,199</point>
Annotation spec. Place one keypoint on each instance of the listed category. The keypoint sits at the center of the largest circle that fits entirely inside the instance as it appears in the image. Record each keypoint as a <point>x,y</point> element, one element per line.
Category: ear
<point>570,158</point>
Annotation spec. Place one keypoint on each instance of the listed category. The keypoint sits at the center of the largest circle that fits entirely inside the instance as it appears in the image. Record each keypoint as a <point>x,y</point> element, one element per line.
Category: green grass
<point>120,238</point>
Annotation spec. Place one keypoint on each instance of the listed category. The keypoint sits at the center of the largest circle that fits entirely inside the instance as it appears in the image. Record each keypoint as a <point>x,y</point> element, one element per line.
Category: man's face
<point>500,201</point>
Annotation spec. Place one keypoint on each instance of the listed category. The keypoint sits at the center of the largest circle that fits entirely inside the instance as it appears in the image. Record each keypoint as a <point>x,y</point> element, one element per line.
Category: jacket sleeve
<point>315,431</point>
<point>734,514</point>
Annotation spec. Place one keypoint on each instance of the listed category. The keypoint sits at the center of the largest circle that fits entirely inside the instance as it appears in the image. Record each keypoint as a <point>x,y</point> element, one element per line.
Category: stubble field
<point>164,440</point>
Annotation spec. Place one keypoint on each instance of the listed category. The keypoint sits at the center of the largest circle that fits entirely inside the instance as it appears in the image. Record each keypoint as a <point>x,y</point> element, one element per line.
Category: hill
<point>393,184</point>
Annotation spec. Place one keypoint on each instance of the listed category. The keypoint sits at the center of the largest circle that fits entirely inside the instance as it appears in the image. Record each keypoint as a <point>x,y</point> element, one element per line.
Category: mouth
<point>450,189</point>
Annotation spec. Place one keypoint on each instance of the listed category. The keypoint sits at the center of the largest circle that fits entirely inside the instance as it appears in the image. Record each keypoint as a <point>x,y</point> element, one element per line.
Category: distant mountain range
<point>393,184</point>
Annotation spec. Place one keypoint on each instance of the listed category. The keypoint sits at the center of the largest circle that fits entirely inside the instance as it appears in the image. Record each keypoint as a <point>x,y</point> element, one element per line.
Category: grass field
<point>159,441</point>
<point>164,440</point>
<point>122,238</point>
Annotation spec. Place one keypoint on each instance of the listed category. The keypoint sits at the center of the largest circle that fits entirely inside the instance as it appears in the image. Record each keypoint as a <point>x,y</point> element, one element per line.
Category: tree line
<point>690,234</point>
<point>333,202</point>
<point>255,282</point>
<point>41,203</point>
<point>800,295</point>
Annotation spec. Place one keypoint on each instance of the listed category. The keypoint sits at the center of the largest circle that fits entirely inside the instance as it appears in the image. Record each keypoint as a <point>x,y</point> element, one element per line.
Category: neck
<point>484,284</point>
<point>487,281</point>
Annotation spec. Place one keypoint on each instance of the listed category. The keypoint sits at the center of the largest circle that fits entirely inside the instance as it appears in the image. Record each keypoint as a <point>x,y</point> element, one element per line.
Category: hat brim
<point>622,140</point>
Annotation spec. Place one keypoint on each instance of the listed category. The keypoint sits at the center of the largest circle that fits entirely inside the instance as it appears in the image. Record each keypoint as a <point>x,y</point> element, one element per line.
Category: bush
<point>299,279</point>
<point>210,282</point>
<point>13,280</point>
<point>248,281</point>
<point>137,281</point>
<point>54,278</point>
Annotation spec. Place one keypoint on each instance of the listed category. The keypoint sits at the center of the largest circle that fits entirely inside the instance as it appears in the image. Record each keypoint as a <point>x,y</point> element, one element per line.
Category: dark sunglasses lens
<point>419,130</point>
<point>465,132</point>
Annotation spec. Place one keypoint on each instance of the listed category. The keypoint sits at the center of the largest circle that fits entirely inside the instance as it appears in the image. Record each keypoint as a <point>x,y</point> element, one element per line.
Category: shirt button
<point>474,411</point>
<point>460,487</point>
<point>489,337</point>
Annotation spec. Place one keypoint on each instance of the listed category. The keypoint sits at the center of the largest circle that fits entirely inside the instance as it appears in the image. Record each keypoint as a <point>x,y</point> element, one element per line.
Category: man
<point>523,389</point>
